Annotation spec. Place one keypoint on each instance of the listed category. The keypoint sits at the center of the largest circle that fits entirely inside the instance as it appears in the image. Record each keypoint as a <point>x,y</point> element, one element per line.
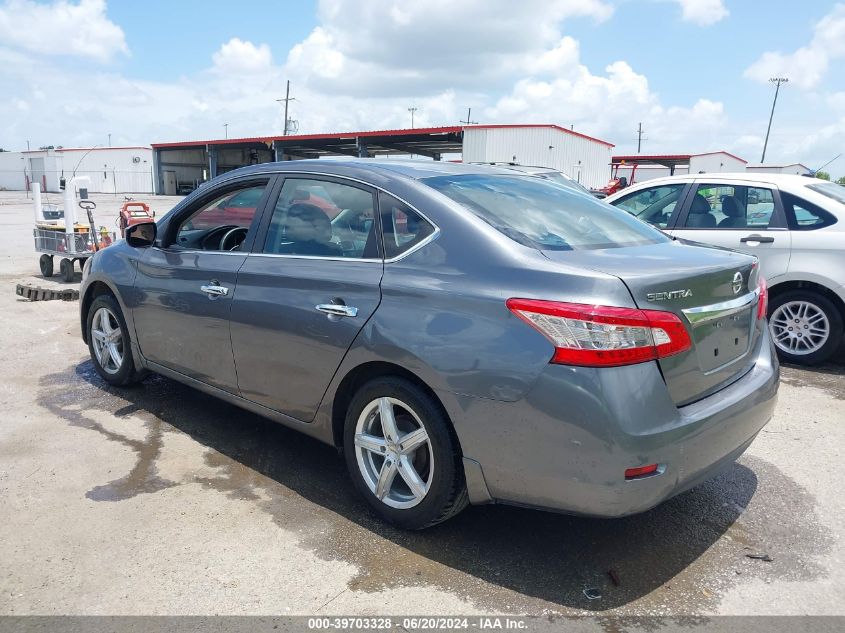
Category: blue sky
<point>693,71</point>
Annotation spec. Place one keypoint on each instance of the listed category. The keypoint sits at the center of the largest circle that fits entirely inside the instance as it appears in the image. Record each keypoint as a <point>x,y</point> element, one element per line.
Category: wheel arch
<point>95,289</point>
<point>812,286</point>
<point>363,373</point>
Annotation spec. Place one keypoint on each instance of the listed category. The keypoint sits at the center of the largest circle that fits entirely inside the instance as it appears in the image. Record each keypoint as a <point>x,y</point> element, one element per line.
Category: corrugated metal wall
<point>715,163</point>
<point>584,159</point>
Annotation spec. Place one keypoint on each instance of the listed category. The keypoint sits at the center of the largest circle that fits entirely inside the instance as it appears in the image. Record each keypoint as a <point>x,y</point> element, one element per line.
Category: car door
<point>307,288</point>
<point>185,284</point>
<point>743,216</point>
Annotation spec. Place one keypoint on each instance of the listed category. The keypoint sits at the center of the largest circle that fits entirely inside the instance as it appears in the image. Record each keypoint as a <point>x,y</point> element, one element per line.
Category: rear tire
<point>410,471</point>
<point>46,264</point>
<point>109,343</point>
<point>805,326</point>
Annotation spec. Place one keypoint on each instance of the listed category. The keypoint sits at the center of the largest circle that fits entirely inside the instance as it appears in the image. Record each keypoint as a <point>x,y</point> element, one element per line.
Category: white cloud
<point>239,56</point>
<point>703,12</point>
<point>61,28</point>
<point>807,65</point>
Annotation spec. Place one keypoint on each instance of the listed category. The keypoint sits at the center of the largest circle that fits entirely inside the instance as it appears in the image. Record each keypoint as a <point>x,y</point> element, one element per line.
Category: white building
<point>794,168</point>
<point>110,169</point>
<point>582,157</point>
<point>639,167</point>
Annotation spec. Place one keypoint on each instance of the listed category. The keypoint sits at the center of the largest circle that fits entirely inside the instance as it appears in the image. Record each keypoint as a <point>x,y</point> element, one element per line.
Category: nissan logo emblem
<point>737,283</point>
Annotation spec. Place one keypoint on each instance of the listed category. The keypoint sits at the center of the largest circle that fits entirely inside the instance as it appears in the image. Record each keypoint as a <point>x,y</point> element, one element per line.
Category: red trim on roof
<point>536,125</point>
<point>454,129</point>
<point>99,149</point>
<point>672,157</point>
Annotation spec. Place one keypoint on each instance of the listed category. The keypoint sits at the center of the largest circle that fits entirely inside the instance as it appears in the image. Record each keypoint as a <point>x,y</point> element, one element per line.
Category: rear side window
<point>539,214</point>
<point>731,207</point>
<point>653,205</point>
<point>805,216</point>
<point>404,228</point>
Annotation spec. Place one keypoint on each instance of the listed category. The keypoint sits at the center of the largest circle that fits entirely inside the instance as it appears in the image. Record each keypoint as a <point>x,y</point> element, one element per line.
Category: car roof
<point>777,179</point>
<point>409,168</point>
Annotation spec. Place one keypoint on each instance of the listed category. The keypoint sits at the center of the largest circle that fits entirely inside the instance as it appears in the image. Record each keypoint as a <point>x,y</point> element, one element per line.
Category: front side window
<point>404,228</point>
<point>320,218</point>
<point>223,223</point>
<point>653,205</point>
<point>805,216</point>
<point>539,214</point>
<point>729,207</point>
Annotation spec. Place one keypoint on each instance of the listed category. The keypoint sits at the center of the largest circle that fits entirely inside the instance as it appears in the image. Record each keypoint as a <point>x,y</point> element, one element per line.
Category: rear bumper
<point>567,444</point>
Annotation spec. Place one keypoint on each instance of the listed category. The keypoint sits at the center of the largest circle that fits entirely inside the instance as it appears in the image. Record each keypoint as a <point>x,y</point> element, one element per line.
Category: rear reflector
<point>641,471</point>
<point>603,336</point>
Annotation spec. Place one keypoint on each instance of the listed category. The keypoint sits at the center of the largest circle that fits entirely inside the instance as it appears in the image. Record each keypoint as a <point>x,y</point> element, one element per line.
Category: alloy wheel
<point>394,453</point>
<point>799,327</point>
<point>107,340</point>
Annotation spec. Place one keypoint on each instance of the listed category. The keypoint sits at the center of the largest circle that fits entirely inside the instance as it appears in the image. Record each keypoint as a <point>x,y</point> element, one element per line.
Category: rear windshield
<point>540,214</point>
<point>830,189</point>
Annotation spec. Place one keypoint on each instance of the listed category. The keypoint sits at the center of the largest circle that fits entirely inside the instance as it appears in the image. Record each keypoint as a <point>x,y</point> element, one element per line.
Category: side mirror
<point>141,235</point>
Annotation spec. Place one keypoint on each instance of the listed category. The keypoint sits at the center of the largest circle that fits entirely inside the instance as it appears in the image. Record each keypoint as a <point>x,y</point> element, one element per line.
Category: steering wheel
<point>208,242</point>
<point>233,239</point>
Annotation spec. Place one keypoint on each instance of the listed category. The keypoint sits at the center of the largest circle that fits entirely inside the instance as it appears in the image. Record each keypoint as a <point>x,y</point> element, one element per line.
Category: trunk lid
<point>710,289</point>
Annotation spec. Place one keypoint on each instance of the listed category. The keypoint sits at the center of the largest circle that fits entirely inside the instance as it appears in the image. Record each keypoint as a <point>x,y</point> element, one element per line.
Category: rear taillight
<point>762,296</point>
<point>603,336</point>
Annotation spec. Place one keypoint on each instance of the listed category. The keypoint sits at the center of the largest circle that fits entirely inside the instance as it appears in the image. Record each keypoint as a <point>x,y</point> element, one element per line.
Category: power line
<point>777,81</point>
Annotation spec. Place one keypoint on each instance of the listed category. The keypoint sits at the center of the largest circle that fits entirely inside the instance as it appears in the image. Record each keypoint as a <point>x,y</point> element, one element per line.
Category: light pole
<point>109,139</point>
<point>412,110</point>
<point>225,130</point>
<point>777,81</point>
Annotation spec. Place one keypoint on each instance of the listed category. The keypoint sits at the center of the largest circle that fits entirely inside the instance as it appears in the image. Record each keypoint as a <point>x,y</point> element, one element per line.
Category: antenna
<point>469,120</point>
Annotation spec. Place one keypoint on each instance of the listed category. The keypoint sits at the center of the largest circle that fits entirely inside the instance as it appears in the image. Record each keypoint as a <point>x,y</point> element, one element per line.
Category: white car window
<point>654,204</point>
<point>730,207</point>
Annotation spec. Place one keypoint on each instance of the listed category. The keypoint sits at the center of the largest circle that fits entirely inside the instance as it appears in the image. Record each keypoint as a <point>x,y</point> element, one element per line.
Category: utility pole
<point>287,100</point>
<point>469,121</point>
<point>640,137</point>
<point>777,81</point>
<point>225,130</point>
<point>412,110</point>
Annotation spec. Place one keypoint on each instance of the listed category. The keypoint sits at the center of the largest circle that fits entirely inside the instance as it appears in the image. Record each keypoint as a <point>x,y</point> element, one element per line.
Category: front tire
<point>45,262</point>
<point>805,326</point>
<point>402,454</point>
<point>108,343</point>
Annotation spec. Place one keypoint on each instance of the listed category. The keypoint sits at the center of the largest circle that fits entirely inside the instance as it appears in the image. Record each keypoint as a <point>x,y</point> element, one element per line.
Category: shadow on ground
<point>677,558</point>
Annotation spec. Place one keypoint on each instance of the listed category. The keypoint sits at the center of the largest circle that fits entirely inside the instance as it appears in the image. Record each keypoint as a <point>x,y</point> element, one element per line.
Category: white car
<point>794,224</point>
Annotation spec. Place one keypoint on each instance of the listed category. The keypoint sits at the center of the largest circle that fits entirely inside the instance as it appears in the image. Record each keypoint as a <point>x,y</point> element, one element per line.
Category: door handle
<point>215,291</point>
<point>336,309</point>
<point>763,239</point>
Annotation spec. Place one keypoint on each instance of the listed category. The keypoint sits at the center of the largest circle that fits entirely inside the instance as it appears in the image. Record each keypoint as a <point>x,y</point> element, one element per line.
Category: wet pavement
<point>160,499</point>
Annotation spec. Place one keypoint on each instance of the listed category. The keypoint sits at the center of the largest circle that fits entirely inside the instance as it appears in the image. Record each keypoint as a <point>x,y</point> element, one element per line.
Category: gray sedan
<point>466,334</point>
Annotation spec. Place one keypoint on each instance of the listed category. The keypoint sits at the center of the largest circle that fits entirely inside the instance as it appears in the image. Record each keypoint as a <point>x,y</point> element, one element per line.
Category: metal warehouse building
<point>182,166</point>
<point>109,169</point>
